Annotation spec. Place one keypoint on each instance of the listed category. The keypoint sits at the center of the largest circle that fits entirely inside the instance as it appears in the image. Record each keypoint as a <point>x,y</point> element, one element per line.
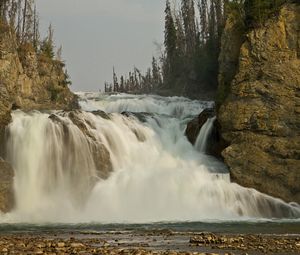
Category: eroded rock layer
<point>260,117</point>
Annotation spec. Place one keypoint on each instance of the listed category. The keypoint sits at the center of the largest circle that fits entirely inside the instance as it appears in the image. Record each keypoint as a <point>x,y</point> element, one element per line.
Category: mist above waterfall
<point>87,166</point>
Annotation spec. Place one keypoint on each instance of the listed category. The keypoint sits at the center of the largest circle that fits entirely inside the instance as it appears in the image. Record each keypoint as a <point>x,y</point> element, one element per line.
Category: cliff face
<point>27,81</point>
<point>31,80</point>
<point>260,115</point>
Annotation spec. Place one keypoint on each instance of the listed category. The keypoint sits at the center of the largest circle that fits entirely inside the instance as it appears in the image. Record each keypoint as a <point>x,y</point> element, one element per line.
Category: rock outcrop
<point>99,152</point>
<point>6,187</point>
<point>215,143</point>
<point>194,126</point>
<point>30,80</point>
<point>260,117</point>
<point>27,81</point>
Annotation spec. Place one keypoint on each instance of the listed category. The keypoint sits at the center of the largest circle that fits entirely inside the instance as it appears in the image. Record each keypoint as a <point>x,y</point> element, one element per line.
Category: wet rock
<point>6,186</point>
<point>141,116</point>
<point>100,153</point>
<point>55,118</point>
<point>102,114</point>
<point>194,126</point>
<point>215,144</point>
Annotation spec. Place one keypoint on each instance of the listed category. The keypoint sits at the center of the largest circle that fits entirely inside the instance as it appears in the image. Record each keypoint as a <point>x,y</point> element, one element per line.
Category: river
<point>159,180</point>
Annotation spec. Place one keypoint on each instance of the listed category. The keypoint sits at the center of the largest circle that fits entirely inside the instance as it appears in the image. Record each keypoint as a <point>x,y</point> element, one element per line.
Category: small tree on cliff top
<point>47,45</point>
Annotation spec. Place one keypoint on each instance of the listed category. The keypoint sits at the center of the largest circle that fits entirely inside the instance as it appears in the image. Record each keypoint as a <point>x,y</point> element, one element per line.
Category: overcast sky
<point>99,34</point>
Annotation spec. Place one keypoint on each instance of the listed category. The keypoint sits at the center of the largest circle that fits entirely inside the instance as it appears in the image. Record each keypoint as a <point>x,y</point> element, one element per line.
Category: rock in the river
<point>215,143</point>
<point>260,117</point>
<point>101,155</point>
<point>6,187</point>
<point>195,125</point>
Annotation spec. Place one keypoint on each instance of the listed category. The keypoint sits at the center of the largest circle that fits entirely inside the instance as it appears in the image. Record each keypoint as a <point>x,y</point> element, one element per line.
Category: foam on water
<point>157,174</point>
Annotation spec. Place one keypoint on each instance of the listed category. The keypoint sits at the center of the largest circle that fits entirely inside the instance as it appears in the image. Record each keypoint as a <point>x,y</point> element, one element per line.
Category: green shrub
<point>54,90</point>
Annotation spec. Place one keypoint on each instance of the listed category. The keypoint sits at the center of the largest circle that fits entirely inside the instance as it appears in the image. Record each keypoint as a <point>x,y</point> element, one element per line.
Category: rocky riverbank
<point>148,242</point>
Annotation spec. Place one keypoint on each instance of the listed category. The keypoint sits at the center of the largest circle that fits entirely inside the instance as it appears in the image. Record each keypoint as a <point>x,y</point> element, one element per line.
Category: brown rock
<point>194,126</point>
<point>99,152</point>
<point>6,187</point>
<point>29,81</point>
<point>215,142</point>
<point>259,118</point>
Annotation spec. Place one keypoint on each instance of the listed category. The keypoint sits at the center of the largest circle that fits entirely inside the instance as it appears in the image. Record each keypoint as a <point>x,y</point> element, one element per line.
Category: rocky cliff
<point>259,104</point>
<point>27,81</point>
<point>6,187</point>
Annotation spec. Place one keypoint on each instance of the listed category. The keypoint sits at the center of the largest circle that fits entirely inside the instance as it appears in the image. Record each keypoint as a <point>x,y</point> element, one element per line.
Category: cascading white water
<point>202,139</point>
<point>157,174</point>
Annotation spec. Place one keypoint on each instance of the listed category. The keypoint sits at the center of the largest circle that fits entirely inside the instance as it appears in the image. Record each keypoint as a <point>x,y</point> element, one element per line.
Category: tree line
<point>136,82</point>
<point>189,60</point>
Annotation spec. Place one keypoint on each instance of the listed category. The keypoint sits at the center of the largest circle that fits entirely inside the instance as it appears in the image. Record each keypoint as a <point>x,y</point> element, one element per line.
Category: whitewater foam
<point>157,174</point>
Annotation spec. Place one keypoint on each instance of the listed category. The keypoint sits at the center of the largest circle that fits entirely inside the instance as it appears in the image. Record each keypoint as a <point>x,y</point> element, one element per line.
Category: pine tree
<point>156,77</point>
<point>47,45</point>
<point>115,81</point>
<point>170,43</point>
<point>189,19</point>
<point>36,35</point>
<point>4,5</point>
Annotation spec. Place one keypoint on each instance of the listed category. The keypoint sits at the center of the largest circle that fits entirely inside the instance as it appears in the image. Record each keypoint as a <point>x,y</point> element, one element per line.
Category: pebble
<point>252,244</point>
<point>60,245</point>
<point>77,245</point>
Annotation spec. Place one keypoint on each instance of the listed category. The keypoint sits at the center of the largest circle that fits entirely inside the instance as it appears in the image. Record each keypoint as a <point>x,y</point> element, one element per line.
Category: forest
<point>188,64</point>
<point>190,52</point>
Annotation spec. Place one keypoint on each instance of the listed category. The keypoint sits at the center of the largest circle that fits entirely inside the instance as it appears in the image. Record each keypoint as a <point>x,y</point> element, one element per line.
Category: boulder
<point>194,126</point>
<point>100,153</point>
<point>215,143</point>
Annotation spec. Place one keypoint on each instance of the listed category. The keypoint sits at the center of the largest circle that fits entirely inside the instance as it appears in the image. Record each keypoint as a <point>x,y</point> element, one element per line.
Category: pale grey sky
<point>97,34</point>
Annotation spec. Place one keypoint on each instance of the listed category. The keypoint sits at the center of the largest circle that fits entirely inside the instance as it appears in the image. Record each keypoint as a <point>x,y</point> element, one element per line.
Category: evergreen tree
<point>189,19</point>
<point>170,46</point>
<point>156,77</point>
<point>47,45</point>
<point>202,5</point>
<point>115,81</point>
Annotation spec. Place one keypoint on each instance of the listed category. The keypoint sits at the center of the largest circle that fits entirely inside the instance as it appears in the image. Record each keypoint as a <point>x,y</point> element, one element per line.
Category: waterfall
<point>79,166</point>
<point>202,139</point>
